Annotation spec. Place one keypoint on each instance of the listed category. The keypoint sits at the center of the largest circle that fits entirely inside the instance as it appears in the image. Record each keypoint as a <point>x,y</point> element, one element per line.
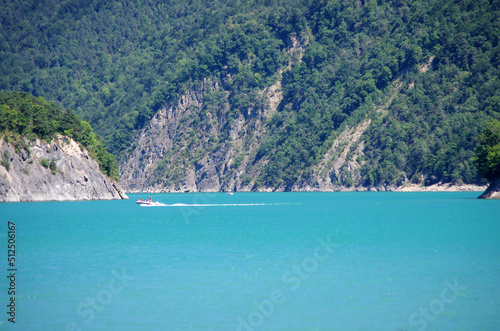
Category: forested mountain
<point>267,94</point>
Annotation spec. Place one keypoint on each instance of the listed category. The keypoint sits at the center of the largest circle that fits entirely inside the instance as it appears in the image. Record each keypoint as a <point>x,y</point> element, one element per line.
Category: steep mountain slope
<point>371,115</point>
<point>199,144</point>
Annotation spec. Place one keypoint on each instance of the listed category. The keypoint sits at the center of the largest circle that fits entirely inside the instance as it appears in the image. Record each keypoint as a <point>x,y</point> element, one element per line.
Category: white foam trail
<point>155,205</point>
<point>214,204</point>
<point>219,204</point>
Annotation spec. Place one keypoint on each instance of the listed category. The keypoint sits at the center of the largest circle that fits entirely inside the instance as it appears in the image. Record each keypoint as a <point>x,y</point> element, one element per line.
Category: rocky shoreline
<point>441,187</point>
<point>57,171</point>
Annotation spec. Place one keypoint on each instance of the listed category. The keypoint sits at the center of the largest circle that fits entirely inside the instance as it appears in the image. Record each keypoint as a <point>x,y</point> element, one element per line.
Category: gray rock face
<point>193,146</point>
<point>157,139</point>
<point>172,154</point>
<point>59,171</point>
<point>492,192</point>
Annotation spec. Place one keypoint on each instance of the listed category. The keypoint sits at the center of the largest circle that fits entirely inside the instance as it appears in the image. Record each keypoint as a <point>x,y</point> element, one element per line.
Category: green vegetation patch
<point>45,162</point>
<point>5,160</point>
<point>488,152</point>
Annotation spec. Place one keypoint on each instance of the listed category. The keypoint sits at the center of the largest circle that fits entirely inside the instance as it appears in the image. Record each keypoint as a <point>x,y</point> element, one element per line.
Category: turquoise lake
<point>256,261</point>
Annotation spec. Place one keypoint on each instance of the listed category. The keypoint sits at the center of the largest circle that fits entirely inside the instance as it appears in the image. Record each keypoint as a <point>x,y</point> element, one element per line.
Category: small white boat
<point>230,192</point>
<point>147,203</point>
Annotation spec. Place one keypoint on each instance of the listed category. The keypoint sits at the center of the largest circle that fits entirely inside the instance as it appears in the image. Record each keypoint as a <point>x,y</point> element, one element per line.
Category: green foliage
<point>356,50</point>
<point>5,160</point>
<point>430,129</point>
<point>237,161</point>
<point>487,157</point>
<point>26,115</point>
<point>116,63</point>
<point>53,167</point>
<point>6,163</point>
<point>245,179</point>
<point>45,162</point>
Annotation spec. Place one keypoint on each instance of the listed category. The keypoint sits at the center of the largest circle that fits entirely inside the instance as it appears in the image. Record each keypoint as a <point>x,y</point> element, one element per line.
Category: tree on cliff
<point>488,152</point>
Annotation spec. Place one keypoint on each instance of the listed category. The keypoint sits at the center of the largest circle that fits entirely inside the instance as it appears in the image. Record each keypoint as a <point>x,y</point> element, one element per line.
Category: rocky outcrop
<point>492,192</point>
<point>160,144</point>
<point>196,145</point>
<point>59,170</point>
<point>337,168</point>
<point>173,154</point>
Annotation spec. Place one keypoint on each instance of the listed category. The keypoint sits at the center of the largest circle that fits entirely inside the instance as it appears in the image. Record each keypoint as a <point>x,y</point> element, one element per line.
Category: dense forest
<point>116,63</point>
<point>487,157</point>
<point>25,117</point>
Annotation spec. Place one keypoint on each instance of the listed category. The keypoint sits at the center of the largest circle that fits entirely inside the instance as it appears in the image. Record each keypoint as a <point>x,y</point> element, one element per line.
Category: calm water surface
<point>257,261</point>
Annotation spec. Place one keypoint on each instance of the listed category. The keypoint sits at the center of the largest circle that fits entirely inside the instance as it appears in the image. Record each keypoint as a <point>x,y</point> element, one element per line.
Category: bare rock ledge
<point>492,192</point>
<point>76,176</point>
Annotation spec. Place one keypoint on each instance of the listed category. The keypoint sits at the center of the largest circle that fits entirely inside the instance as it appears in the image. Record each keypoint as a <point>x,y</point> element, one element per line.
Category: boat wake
<point>155,204</point>
<point>219,204</point>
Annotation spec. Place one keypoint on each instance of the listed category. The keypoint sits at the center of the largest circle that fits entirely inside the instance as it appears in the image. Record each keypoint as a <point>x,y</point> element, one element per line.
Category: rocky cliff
<point>59,170</point>
<point>180,152</point>
<point>492,192</point>
<point>200,144</point>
